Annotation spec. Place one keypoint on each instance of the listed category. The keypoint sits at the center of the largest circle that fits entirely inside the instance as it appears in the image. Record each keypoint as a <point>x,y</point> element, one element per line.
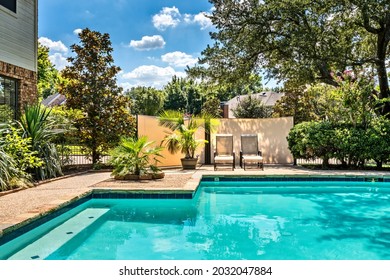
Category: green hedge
<point>351,145</point>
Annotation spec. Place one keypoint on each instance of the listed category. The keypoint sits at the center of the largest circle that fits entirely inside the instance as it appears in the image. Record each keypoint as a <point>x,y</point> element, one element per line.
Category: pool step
<point>50,242</point>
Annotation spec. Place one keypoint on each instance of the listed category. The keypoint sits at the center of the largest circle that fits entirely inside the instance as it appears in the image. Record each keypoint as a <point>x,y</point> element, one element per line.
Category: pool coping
<point>188,192</point>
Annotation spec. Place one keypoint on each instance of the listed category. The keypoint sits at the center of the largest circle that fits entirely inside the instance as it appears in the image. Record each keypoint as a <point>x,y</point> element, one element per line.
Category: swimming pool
<point>291,219</point>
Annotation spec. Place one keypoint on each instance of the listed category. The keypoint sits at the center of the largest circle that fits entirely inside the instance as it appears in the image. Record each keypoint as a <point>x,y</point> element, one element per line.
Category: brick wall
<point>27,82</point>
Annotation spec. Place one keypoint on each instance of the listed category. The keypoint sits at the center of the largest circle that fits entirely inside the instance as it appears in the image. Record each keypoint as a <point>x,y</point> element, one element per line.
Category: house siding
<point>18,35</point>
<point>18,48</point>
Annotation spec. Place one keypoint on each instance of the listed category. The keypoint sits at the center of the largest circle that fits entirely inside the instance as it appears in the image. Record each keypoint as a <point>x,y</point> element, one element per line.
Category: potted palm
<point>181,138</point>
<point>136,159</point>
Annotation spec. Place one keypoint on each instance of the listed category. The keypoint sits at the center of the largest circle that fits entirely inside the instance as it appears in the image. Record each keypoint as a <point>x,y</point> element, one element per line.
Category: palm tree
<point>182,136</point>
<point>133,156</point>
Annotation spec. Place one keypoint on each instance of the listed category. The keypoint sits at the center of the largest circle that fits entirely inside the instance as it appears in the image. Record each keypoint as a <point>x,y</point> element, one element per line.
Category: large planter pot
<point>189,163</point>
<point>159,175</point>
<point>132,177</point>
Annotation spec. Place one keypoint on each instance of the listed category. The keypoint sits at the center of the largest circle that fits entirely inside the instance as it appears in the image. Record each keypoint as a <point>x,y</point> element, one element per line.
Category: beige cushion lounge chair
<point>250,153</point>
<point>224,153</point>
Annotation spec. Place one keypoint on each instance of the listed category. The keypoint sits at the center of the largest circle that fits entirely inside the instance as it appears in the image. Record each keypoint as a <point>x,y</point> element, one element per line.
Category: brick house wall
<point>27,82</point>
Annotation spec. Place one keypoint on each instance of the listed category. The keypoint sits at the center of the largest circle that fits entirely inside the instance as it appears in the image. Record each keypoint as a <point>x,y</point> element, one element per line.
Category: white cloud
<point>171,17</point>
<point>168,17</point>
<point>77,31</point>
<point>200,19</point>
<point>59,61</point>
<point>203,20</point>
<point>188,18</point>
<point>53,45</point>
<point>179,59</point>
<point>148,43</point>
<point>150,75</point>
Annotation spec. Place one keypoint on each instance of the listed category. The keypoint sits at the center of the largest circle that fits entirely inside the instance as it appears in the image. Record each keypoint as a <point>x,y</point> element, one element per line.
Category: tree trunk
<point>325,162</point>
<point>383,79</point>
<point>95,156</point>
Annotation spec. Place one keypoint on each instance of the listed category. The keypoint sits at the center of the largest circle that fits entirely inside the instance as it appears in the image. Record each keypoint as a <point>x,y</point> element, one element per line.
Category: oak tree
<point>305,41</point>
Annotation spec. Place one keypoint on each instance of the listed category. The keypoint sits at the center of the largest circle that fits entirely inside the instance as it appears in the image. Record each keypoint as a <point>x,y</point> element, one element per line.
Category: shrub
<point>252,108</point>
<point>351,144</point>
<point>20,150</point>
<point>8,170</point>
<point>17,157</point>
<point>378,139</point>
<point>311,140</point>
<point>6,113</point>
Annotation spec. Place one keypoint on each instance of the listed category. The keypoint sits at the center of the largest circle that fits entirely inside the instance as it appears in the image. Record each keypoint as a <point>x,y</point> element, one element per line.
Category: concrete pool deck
<point>21,207</point>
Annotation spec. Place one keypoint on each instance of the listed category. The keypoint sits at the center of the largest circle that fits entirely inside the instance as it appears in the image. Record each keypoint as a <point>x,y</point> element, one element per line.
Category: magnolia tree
<point>91,88</point>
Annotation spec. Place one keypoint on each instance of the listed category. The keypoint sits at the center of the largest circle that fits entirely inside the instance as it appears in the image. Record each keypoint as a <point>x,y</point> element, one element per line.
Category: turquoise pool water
<point>224,221</point>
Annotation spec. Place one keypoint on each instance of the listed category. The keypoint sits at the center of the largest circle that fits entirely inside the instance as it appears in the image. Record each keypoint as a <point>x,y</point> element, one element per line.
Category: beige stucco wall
<point>272,134</point>
<point>148,126</point>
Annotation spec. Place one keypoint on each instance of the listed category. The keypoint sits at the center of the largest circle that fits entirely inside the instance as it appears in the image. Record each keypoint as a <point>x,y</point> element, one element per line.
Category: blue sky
<point>152,39</point>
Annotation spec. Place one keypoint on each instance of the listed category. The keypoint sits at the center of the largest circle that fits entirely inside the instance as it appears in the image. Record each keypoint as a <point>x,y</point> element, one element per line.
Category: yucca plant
<point>135,156</point>
<point>37,126</point>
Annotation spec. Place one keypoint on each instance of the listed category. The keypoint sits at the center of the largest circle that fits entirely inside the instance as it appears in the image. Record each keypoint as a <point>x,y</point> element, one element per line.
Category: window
<point>9,4</point>
<point>8,99</point>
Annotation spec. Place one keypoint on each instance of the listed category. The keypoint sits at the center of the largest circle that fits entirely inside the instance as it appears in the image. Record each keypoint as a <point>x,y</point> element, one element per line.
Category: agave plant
<point>135,156</point>
<point>37,126</point>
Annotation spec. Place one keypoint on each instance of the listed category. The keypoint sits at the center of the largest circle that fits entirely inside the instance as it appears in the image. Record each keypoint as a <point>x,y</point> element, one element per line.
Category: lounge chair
<point>224,152</point>
<point>250,153</point>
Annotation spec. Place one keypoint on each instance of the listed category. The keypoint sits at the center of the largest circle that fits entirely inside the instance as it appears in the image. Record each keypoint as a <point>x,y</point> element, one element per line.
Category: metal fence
<point>317,161</point>
<point>76,155</point>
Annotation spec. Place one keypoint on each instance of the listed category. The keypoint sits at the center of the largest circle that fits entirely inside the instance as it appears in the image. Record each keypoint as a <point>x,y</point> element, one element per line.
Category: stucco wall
<point>148,126</point>
<point>272,133</point>
<point>272,137</point>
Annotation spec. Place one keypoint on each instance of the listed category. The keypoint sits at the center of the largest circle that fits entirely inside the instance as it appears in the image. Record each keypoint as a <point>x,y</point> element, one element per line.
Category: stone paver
<point>19,208</point>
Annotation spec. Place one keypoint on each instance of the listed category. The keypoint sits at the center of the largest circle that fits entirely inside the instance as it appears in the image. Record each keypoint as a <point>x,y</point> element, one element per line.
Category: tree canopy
<point>305,41</point>
<point>183,95</point>
<point>146,100</point>
<point>251,107</point>
<point>48,75</point>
